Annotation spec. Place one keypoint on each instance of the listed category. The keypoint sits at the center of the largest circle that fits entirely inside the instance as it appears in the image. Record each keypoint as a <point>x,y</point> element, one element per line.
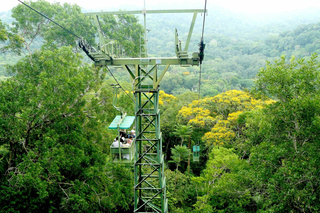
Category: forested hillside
<point>258,140</point>
<point>238,46</point>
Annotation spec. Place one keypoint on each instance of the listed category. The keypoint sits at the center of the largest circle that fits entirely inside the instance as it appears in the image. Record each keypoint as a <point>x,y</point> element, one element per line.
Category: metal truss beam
<point>149,183</point>
<point>137,12</point>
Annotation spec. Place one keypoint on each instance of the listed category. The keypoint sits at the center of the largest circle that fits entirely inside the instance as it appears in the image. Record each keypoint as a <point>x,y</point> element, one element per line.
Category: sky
<point>246,6</point>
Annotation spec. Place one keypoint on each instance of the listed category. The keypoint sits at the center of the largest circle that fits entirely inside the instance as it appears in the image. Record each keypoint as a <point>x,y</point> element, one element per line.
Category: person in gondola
<point>116,143</point>
<point>126,145</point>
<point>122,140</point>
<point>123,136</point>
<point>123,133</point>
<point>133,134</point>
<point>129,140</point>
<point>126,156</point>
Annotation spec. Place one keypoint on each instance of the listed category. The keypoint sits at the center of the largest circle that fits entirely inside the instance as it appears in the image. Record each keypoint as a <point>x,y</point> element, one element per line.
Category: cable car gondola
<point>122,148</point>
<point>122,151</point>
<point>196,153</point>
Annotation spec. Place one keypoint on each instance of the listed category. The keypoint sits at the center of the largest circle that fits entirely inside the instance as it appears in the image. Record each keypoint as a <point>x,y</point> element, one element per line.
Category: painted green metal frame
<point>116,153</point>
<point>104,56</point>
<point>149,179</point>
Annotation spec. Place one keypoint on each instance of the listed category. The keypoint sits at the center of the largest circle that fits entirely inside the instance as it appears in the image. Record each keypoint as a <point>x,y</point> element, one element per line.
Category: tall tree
<point>285,136</point>
<point>224,185</point>
<point>179,154</point>
<point>183,131</point>
<point>3,32</point>
<point>126,30</point>
<point>29,24</point>
<point>10,40</point>
<point>33,27</point>
<point>54,133</point>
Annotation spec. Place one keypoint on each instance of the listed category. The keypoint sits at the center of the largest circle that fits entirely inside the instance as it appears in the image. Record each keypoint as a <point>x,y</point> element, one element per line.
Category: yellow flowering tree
<point>232,101</point>
<point>197,117</point>
<point>219,114</point>
<point>165,99</point>
<point>219,135</point>
<point>232,119</point>
<point>206,112</point>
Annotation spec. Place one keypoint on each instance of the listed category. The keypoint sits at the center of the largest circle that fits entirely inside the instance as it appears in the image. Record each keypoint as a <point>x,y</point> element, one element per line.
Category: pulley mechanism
<point>201,50</point>
<point>86,47</point>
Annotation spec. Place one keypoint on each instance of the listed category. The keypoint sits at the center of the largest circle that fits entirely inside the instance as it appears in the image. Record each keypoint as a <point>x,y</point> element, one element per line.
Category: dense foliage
<point>52,138</point>
<point>258,148</point>
<point>237,46</point>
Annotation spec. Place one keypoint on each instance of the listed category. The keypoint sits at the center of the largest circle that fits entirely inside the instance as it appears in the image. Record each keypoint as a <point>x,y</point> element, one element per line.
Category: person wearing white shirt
<point>116,143</point>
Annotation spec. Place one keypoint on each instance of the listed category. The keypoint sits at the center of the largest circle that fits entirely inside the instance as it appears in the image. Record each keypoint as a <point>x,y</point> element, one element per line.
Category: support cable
<point>199,85</point>
<point>201,49</point>
<point>204,17</point>
<point>83,44</point>
<point>119,84</point>
<point>50,19</point>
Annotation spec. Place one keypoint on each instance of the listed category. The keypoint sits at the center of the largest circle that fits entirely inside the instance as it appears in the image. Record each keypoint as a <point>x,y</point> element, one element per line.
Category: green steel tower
<point>146,75</point>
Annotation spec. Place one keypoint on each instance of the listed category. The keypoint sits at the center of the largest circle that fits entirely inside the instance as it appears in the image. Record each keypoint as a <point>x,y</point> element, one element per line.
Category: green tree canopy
<point>289,81</point>
<point>126,30</point>
<point>33,27</point>
<point>52,134</point>
<point>3,32</point>
<point>223,185</point>
<point>285,136</point>
<point>10,40</point>
<point>179,154</point>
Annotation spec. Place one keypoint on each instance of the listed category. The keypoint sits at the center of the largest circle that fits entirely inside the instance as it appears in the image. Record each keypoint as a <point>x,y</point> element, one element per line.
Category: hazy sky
<point>248,6</point>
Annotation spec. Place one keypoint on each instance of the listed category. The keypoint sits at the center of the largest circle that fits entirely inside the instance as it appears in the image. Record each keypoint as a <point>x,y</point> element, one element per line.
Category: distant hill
<point>302,41</point>
<point>220,21</point>
<point>237,45</point>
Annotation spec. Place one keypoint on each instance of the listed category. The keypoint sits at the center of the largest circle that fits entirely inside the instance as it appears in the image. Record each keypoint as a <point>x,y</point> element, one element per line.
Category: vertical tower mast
<point>144,38</point>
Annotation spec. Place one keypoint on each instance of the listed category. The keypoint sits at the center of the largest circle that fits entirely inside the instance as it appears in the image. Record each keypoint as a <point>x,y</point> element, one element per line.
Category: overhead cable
<point>119,84</point>
<point>49,19</point>
<point>201,48</point>
<point>204,17</point>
